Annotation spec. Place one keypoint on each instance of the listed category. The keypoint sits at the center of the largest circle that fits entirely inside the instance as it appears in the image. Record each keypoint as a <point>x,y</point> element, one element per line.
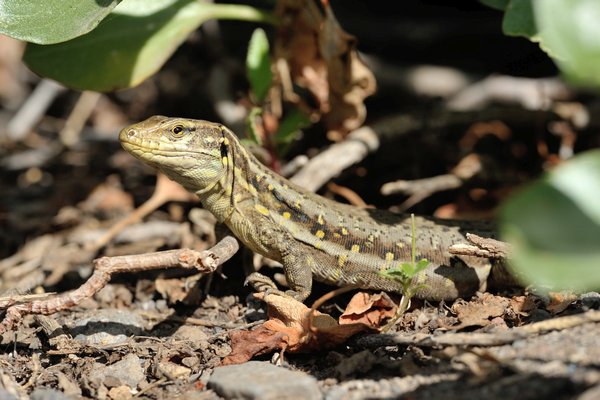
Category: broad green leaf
<point>258,64</point>
<point>519,20</point>
<point>554,226</point>
<point>130,44</point>
<point>51,21</point>
<point>570,32</point>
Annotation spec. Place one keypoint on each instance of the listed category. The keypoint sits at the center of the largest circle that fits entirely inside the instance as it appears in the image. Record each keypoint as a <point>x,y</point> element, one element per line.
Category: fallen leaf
<point>108,196</point>
<point>247,344</point>
<point>289,329</point>
<point>559,301</point>
<point>479,311</point>
<point>369,309</point>
<point>522,305</point>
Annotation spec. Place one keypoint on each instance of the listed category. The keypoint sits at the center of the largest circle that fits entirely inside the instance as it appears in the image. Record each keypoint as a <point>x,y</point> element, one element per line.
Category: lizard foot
<point>264,284</point>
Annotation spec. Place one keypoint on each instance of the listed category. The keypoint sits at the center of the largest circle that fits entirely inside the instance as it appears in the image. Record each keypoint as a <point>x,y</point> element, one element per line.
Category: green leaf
<point>497,4</point>
<point>569,31</point>
<point>421,265</point>
<point>408,270</point>
<point>51,21</point>
<point>394,273</point>
<point>519,19</point>
<point>130,44</point>
<point>554,227</point>
<point>289,128</point>
<point>258,64</point>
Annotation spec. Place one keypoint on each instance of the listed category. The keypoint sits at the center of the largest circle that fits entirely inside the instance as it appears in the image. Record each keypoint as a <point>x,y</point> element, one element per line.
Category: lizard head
<point>188,151</point>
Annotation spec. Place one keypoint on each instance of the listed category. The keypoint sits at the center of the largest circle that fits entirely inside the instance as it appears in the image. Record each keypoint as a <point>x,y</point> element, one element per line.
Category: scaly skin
<point>310,235</point>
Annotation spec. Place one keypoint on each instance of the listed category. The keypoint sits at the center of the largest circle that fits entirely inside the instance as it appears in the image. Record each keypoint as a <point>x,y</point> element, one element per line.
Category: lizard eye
<point>177,131</point>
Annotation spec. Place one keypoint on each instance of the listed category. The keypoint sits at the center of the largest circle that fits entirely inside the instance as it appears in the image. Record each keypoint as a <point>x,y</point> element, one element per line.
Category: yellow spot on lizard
<point>342,260</point>
<point>320,234</point>
<point>261,209</point>
<point>389,256</point>
<point>344,231</point>
<point>320,219</point>
<point>270,187</point>
<point>287,215</point>
<point>355,248</point>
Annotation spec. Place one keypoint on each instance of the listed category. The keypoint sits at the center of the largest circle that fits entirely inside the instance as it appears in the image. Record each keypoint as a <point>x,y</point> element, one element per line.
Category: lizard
<point>311,236</point>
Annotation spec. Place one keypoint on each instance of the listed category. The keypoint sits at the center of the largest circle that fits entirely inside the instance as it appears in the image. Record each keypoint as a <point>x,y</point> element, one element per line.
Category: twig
<point>350,195</point>
<point>481,247</point>
<point>479,339</point>
<point>531,94</point>
<point>205,261</point>
<point>33,109</point>
<point>69,134</point>
<point>419,189</point>
<point>166,190</point>
<point>320,169</point>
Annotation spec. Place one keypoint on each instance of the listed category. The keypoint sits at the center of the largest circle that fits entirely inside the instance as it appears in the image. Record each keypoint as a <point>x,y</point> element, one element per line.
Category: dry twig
<point>481,247</point>
<point>205,261</point>
<point>336,158</point>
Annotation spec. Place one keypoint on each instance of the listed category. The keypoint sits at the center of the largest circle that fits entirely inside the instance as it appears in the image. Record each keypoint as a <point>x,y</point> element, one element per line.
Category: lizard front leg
<point>296,266</point>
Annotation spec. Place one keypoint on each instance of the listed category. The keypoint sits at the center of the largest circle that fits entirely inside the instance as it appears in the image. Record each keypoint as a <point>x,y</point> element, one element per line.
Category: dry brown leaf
<point>108,196</point>
<point>289,329</point>
<point>522,305</point>
<point>369,309</point>
<point>178,290</point>
<point>173,290</point>
<point>480,311</point>
<point>247,344</point>
<point>559,301</point>
<point>315,53</point>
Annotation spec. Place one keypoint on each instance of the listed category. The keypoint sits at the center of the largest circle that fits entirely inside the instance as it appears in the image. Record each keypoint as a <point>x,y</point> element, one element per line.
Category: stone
<point>261,380</point>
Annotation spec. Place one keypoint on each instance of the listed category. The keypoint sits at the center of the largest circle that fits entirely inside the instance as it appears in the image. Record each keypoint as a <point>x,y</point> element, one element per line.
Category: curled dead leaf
<point>313,52</point>
<point>289,329</point>
<point>369,309</point>
<point>560,301</point>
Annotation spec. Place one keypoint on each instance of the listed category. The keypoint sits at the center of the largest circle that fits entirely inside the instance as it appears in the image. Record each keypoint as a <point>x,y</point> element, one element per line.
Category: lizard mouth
<point>147,151</point>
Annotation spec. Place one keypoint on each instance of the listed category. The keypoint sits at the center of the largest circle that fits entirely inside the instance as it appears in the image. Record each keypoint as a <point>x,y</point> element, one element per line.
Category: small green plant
<point>404,274</point>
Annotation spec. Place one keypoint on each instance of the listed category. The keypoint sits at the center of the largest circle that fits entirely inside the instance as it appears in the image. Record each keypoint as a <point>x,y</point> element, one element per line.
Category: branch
<point>204,261</point>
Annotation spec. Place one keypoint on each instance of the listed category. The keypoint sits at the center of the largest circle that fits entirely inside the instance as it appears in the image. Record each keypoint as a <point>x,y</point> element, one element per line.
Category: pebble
<point>262,380</point>
<point>107,327</point>
<point>127,371</point>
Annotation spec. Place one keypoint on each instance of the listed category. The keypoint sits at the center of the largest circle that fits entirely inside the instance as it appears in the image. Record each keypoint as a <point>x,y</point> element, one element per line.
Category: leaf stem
<point>239,12</point>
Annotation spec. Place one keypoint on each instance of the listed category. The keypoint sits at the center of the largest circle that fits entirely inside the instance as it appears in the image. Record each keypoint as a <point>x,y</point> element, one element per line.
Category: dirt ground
<point>163,334</point>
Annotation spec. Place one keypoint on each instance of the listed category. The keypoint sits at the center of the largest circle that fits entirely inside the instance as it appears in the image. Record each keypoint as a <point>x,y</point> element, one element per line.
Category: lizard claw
<point>263,284</point>
<point>260,282</point>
